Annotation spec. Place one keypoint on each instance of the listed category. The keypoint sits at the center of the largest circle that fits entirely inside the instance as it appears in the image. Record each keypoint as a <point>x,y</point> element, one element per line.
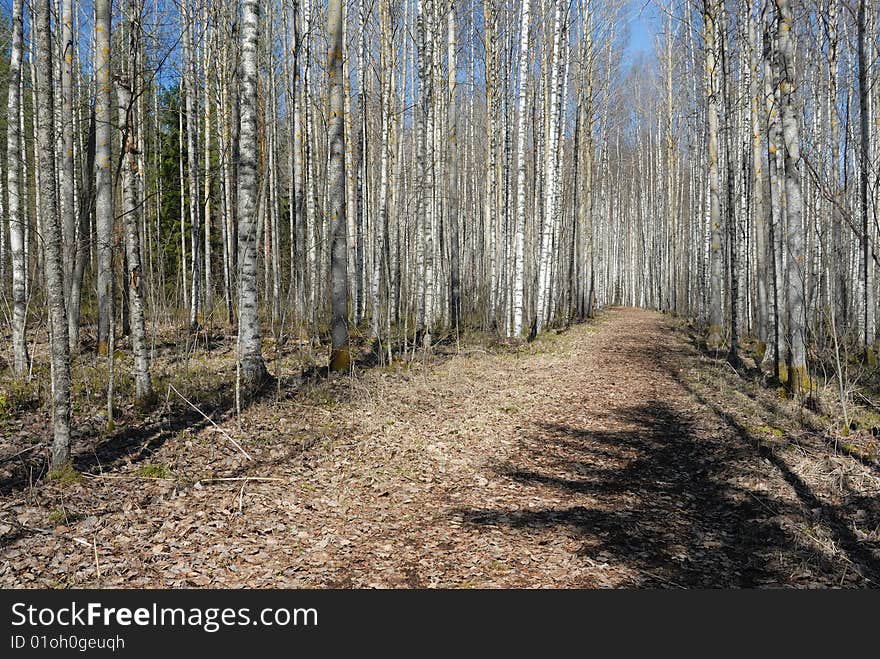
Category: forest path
<point>611,455</point>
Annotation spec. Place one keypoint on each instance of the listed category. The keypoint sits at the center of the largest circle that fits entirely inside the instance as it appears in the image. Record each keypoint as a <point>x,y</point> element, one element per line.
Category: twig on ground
<point>664,579</point>
<point>226,434</point>
<point>126,477</point>
<point>244,478</point>
<point>22,452</point>
<point>94,547</point>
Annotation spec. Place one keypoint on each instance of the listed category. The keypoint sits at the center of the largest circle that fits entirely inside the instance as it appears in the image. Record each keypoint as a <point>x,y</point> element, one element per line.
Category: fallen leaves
<point>585,461</point>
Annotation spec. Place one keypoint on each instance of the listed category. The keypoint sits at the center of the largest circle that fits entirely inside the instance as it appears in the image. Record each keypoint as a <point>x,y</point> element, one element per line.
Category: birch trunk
<point>65,165</point>
<point>758,174</point>
<point>712,10</point>
<point>192,158</point>
<point>550,159</point>
<point>386,81</point>
<point>131,209</point>
<point>52,257</point>
<point>453,186</point>
<point>340,359</point>
<point>867,319</point>
<point>837,270</point>
<point>519,239</point>
<point>425,172</point>
<point>104,184</point>
<point>250,353</point>
<point>15,202</point>
<point>795,302</point>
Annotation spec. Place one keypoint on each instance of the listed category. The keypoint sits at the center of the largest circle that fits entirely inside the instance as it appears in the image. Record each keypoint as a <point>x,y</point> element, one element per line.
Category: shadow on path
<point>672,498</point>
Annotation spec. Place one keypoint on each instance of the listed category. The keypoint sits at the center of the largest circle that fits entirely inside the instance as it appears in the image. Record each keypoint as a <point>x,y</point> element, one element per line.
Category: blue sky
<point>644,25</point>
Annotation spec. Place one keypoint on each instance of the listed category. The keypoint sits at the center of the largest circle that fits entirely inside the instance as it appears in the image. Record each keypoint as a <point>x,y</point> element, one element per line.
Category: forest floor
<point>614,454</point>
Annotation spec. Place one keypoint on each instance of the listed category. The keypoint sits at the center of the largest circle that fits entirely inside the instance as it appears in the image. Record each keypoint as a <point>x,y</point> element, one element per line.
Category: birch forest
<point>333,263</point>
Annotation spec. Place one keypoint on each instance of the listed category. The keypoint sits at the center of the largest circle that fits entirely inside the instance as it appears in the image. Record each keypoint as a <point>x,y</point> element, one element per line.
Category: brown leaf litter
<point>610,455</point>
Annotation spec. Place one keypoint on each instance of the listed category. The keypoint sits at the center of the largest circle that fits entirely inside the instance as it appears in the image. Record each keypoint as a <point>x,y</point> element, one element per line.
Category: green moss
<point>799,381</point>
<point>57,516</point>
<point>866,419</point>
<point>18,396</point>
<point>406,473</point>
<point>769,430</point>
<point>154,471</point>
<point>783,372</point>
<point>66,475</point>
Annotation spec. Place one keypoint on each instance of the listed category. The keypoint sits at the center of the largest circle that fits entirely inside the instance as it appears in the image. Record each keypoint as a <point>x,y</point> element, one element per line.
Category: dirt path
<point>612,455</point>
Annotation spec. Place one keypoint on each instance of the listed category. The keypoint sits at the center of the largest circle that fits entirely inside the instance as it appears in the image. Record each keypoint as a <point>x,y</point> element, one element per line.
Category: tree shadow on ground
<point>833,518</point>
<point>673,514</point>
<point>95,450</point>
<point>664,514</point>
<point>761,382</point>
<point>675,499</point>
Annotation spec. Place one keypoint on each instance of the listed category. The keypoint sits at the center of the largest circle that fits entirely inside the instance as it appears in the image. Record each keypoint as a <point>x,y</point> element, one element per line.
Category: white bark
<point>519,239</point>
<point>795,302</point>
<point>250,354</point>
<point>550,181</point>
<point>52,257</point>
<point>15,203</point>
<point>340,358</point>
<point>104,220</point>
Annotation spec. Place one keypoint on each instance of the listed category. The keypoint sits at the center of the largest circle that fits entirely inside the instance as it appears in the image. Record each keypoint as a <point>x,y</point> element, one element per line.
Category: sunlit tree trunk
<point>867,336</point>
<point>207,68</point>
<point>795,302</point>
<point>711,15</point>
<point>426,171</point>
<point>104,220</point>
<point>191,101</point>
<point>340,358</point>
<point>452,175</point>
<point>66,207</point>
<point>52,252</point>
<point>386,81</point>
<point>520,229</point>
<point>250,353</point>
<point>126,89</point>
<point>15,202</point>
<point>490,210</point>
<point>550,159</point>
<point>758,174</point>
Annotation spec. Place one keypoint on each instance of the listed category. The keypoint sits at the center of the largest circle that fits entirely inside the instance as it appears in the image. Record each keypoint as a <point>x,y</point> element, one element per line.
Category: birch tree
<point>452,177</point>
<point>519,239</point>
<point>250,351</point>
<point>13,188</point>
<point>795,302</point>
<point>52,257</point>
<point>386,85</point>
<point>868,311</point>
<point>340,359</point>
<point>550,179</point>
<point>126,90</point>
<point>104,181</point>
<point>712,11</point>
<point>65,165</point>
